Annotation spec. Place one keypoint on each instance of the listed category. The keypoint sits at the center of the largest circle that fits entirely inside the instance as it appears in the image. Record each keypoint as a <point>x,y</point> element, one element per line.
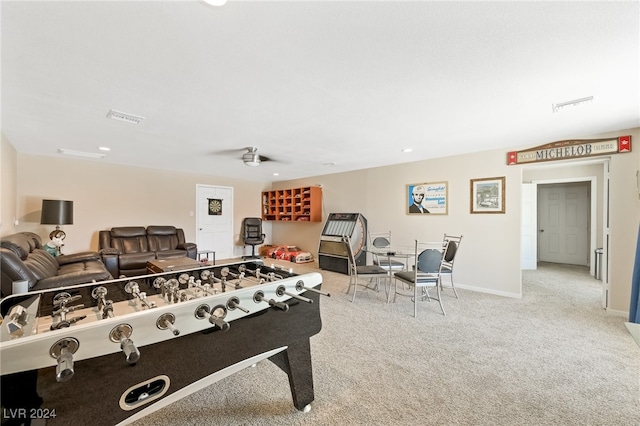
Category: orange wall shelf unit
<point>293,205</point>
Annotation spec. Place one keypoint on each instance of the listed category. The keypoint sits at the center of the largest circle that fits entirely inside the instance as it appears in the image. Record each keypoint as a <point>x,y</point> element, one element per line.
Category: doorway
<point>214,217</point>
<point>563,223</point>
<point>593,173</point>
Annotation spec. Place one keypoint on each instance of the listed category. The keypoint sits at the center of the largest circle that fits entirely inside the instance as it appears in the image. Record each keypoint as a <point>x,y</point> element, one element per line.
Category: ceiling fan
<point>252,159</point>
<point>250,156</point>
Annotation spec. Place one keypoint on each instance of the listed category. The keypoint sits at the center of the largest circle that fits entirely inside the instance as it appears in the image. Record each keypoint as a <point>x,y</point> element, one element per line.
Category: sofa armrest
<point>77,257</point>
<point>186,246</point>
<point>110,258</point>
<point>191,249</point>
<point>13,269</point>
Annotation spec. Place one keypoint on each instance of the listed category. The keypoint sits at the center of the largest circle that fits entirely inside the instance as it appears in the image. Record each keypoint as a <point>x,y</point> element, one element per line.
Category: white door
<point>214,207</point>
<point>563,219</point>
<point>529,227</point>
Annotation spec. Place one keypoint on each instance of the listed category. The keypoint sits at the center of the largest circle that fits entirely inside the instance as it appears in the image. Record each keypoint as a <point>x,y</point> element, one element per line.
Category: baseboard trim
<point>487,291</point>
<point>617,313</point>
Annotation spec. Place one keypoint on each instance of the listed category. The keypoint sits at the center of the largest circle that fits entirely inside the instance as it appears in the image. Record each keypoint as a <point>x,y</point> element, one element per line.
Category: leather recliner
<point>22,258</point>
<point>126,250</point>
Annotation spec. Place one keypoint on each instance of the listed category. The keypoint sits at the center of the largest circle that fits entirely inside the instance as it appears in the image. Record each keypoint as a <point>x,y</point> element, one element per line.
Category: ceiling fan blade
<point>228,151</point>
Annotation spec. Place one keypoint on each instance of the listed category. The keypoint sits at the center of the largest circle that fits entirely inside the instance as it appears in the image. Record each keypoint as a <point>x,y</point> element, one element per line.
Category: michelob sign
<point>565,150</point>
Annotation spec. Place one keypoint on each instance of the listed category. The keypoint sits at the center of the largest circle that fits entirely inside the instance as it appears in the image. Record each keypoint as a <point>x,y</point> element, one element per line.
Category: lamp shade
<point>57,212</point>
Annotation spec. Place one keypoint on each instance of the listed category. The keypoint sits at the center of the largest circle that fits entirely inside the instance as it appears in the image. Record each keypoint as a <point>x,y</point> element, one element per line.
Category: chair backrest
<point>429,260</point>
<point>252,231</point>
<point>163,238</point>
<point>453,244</point>
<point>21,243</point>
<point>126,239</point>
<point>351,257</point>
<point>380,239</point>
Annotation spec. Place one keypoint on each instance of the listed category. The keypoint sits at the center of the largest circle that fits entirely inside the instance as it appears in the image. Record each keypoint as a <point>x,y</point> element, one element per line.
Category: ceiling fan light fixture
<point>251,159</point>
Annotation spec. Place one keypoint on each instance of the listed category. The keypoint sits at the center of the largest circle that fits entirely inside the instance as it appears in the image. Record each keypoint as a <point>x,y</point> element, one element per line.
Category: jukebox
<point>332,255</point>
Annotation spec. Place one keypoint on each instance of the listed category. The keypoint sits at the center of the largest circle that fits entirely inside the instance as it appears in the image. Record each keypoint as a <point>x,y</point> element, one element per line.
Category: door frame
<point>200,186</point>
<point>528,227</point>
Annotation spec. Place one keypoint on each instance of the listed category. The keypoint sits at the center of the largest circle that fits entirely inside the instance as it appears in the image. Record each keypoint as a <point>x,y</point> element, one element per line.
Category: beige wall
<point>489,260</point>
<point>8,186</point>
<point>107,195</point>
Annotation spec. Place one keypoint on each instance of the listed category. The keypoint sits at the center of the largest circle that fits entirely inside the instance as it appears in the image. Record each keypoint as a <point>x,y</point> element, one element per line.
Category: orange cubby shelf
<point>293,205</point>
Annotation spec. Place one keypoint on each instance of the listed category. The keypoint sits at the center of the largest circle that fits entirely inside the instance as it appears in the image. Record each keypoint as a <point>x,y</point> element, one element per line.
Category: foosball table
<point>111,352</point>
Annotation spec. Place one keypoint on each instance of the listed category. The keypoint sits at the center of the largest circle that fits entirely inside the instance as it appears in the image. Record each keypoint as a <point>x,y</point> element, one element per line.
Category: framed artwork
<point>428,198</point>
<point>487,195</point>
<point>215,206</point>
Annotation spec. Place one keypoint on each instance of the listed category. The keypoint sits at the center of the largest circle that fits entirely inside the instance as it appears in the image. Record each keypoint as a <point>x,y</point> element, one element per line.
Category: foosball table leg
<point>296,362</point>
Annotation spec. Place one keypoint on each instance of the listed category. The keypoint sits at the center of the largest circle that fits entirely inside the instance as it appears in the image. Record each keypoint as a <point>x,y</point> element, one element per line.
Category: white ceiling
<point>311,83</point>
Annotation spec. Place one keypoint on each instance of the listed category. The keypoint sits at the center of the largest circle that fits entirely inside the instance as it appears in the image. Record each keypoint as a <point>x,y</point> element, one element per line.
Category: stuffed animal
<point>53,246</point>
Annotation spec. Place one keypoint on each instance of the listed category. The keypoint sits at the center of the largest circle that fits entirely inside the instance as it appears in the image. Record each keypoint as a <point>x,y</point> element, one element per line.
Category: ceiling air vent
<point>571,104</point>
<point>123,116</point>
<point>81,153</point>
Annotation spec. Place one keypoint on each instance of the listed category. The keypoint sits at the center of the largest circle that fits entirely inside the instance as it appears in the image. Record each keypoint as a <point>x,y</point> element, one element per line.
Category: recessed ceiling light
<point>216,2</point>
<point>407,150</point>
<point>276,174</point>
<point>104,148</point>
<point>571,104</point>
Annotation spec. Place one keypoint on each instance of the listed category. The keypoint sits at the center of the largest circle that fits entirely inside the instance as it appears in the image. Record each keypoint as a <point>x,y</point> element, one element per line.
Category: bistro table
<point>404,253</point>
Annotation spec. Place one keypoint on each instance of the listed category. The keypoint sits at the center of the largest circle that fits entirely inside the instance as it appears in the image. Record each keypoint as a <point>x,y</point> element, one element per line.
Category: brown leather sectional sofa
<point>22,258</point>
<point>125,250</point>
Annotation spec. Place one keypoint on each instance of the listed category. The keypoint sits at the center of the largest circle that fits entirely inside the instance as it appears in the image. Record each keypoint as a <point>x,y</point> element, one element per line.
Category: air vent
<point>123,116</point>
<point>81,153</point>
<point>572,104</point>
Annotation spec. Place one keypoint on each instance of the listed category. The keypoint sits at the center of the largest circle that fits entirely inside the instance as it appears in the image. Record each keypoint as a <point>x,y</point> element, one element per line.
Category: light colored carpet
<point>553,357</point>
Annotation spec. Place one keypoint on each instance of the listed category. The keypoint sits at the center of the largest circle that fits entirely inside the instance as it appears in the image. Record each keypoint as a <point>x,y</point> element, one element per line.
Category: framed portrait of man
<point>427,198</point>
